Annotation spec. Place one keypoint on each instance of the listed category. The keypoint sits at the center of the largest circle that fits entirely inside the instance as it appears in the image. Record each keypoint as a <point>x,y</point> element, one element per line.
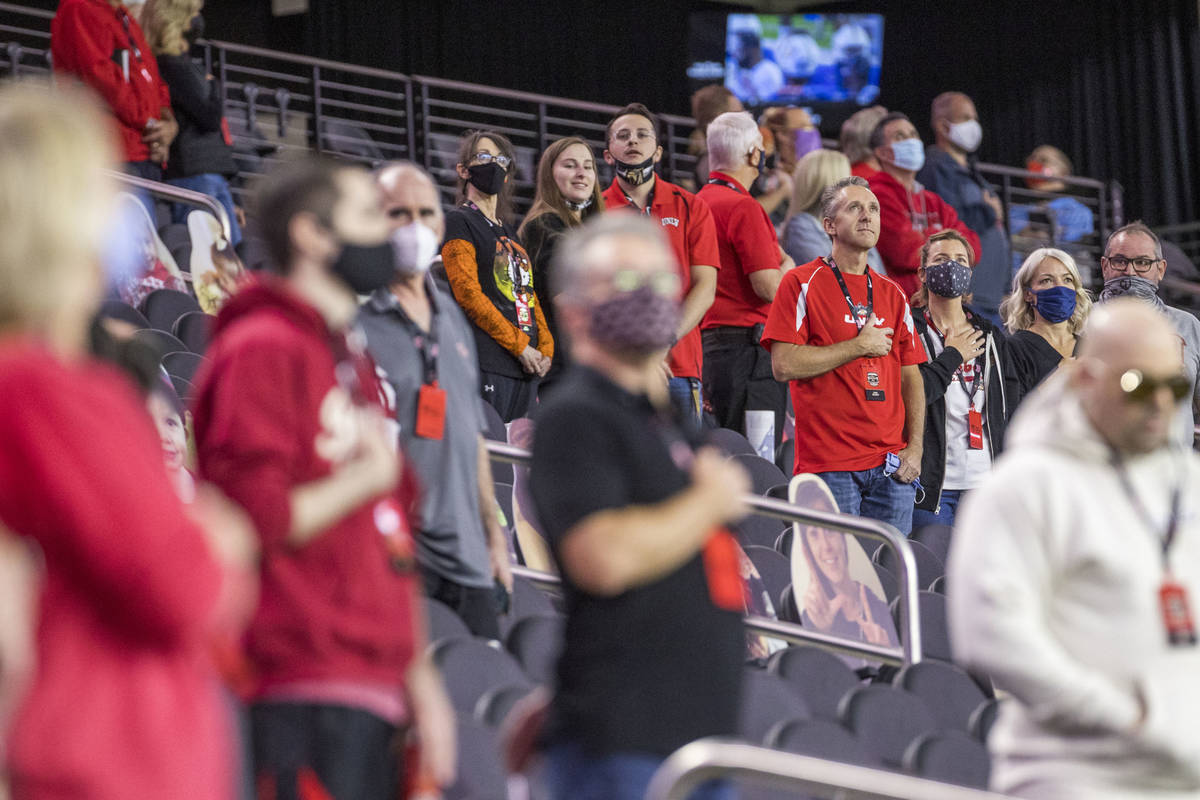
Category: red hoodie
<point>270,414</point>
<point>87,40</point>
<point>124,701</point>
<point>906,220</point>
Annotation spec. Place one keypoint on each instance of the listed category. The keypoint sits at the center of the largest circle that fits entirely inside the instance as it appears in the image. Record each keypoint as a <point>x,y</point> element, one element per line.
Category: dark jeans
<point>216,187</point>
<point>738,378</point>
<point>511,397</point>
<point>869,493</point>
<point>688,400</point>
<point>576,775</point>
<point>476,606</point>
<point>151,172</point>
<point>945,513</point>
<point>349,753</point>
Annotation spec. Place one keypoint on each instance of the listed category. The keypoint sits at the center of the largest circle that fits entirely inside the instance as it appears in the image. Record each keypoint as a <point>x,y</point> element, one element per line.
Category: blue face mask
<point>908,154</point>
<point>1056,303</point>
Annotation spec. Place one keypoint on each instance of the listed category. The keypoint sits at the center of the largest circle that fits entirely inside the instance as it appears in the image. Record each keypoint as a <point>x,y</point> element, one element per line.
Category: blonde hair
<point>1016,311</point>
<point>55,202</point>
<point>165,21</point>
<point>813,173</point>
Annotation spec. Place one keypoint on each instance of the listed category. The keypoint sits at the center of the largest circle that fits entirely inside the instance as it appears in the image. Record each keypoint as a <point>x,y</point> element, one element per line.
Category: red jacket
<point>125,701</point>
<point>270,415</point>
<point>906,220</point>
<point>87,39</point>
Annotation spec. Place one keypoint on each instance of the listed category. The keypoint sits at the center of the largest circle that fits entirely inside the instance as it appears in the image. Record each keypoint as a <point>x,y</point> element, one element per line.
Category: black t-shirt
<point>541,236</point>
<point>659,665</point>
<point>504,272</point>
<point>1030,359</point>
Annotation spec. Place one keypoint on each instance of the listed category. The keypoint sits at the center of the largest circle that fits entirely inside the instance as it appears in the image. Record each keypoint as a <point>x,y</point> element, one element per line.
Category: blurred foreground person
<point>123,701</point>
<point>1075,572</point>
<point>635,519</point>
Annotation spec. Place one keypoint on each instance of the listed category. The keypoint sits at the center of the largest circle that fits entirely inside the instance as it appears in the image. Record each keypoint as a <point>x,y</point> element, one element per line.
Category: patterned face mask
<point>948,279</point>
<point>636,322</point>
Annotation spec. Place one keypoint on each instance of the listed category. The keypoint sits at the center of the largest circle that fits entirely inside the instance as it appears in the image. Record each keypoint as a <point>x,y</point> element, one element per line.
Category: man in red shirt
<point>291,422</point>
<point>100,43</point>
<point>633,150</point>
<point>909,213</point>
<point>737,372</point>
<point>845,340</point>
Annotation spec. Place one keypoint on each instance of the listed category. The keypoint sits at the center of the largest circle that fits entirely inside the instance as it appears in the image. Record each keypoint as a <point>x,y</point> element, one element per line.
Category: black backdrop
<point>1114,83</point>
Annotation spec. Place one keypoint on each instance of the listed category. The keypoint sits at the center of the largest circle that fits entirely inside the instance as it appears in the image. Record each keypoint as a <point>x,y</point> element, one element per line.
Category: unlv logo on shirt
<point>878,321</point>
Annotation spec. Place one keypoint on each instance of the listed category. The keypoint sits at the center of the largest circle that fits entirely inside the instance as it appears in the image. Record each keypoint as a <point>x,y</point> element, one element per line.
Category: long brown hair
<point>467,147</point>
<point>549,198</point>
<point>921,296</point>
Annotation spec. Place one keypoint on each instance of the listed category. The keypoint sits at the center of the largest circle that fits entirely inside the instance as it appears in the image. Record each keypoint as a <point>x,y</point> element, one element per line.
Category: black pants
<point>738,378</point>
<point>476,605</point>
<point>350,754</point>
<point>511,397</point>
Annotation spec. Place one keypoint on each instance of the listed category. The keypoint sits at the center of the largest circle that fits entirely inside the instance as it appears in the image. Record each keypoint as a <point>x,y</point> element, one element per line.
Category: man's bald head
<point>1127,343</point>
<point>408,194</point>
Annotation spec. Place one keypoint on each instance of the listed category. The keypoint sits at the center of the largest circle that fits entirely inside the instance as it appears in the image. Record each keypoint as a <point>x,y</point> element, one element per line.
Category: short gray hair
<point>569,268</point>
<point>731,136</point>
<point>829,197</point>
<point>1137,226</point>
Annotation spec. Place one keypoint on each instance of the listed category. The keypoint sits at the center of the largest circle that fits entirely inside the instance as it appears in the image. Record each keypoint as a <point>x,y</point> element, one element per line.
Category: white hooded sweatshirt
<point>1054,581</point>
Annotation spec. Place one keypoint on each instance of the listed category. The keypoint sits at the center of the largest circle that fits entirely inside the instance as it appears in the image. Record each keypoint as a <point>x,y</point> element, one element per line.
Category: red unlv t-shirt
<point>838,428</point>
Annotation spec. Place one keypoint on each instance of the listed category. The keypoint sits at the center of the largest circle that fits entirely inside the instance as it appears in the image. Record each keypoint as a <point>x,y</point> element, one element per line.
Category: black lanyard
<point>426,341</point>
<point>860,314</point>
<point>1168,538</point>
<point>505,241</point>
<point>961,372</point>
<point>125,23</point>
<point>649,200</point>
<point>730,184</point>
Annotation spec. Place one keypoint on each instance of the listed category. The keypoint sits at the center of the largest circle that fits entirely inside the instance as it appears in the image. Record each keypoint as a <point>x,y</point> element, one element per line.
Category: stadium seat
<point>184,389</point>
<point>182,364</point>
<point>783,542</point>
<point>481,772</point>
<point>774,569</point>
<point>443,622</point>
<point>494,704</point>
<point>759,530</point>
<point>936,538</point>
<point>779,492</point>
<point>730,442</point>
<point>820,738</point>
<point>471,666</point>
<point>766,700</point>
<point>163,306</point>
<point>495,429</point>
<point>935,632</point>
<point>929,566</point>
<point>785,456</point>
<point>891,587</point>
<point>949,692</point>
<point>527,601</point>
<point>194,329</point>
<point>939,585</point>
<point>160,342</point>
<point>885,719</point>
<point>347,139</point>
<point>820,677</point>
<point>535,642</point>
<point>982,718</point>
<point>504,496</point>
<point>116,309</point>
<point>786,608</point>
<point>763,474</point>
<point>950,757</point>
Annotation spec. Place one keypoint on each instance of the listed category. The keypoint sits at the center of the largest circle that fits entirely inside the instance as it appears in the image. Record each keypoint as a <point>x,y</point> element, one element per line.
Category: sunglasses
<point>1141,388</point>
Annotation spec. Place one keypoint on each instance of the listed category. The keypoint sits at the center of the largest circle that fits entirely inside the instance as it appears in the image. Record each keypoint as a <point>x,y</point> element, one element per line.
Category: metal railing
<point>707,759</point>
<point>909,628</point>
<point>1186,235</point>
<point>178,195</point>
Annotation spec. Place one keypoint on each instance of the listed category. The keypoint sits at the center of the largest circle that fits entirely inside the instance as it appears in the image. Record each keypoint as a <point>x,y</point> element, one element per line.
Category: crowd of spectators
<point>861,305</point>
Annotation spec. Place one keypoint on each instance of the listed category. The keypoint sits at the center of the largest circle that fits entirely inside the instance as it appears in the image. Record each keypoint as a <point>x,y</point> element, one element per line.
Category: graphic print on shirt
<point>513,274</point>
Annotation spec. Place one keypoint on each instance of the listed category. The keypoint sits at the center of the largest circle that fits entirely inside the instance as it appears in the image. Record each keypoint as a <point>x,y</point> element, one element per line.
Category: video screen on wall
<point>789,59</point>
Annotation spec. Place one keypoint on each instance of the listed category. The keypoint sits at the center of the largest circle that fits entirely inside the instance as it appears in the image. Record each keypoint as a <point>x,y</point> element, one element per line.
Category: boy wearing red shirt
<point>290,422</point>
<point>845,340</point>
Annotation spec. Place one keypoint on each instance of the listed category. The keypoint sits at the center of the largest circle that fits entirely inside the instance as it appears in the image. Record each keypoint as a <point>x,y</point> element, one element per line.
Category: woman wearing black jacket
<point>201,156</point>
<point>965,403</point>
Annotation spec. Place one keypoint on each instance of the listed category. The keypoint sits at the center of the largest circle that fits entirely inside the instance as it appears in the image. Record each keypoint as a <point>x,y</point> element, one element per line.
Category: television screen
<point>790,59</point>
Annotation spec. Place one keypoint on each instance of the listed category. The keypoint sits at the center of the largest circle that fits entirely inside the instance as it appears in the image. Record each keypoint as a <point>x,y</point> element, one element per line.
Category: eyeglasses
<point>664,283</point>
<point>1140,388</point>
<point>487,158</point>
<point>1141,264</point>
<point>641,134</point>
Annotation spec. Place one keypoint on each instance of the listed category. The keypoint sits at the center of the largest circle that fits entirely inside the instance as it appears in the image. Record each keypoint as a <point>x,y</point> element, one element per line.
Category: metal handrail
<point>187,196</point>
<point>909,651</point>
<point>707,759</point>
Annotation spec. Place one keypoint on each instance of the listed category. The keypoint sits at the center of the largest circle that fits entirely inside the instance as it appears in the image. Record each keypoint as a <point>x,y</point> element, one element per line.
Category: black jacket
<point>200,147</point>
<point>936,375</point>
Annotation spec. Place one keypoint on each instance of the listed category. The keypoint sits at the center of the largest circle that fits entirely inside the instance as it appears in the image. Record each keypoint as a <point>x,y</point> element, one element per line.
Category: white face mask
<point>415,246</point>
<point>966,135</point>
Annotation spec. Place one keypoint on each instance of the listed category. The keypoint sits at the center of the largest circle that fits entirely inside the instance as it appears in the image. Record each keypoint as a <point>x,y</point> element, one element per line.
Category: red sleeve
<point>950,219</point>
<point>787,321</point>
<point>248,432</point>
<point>82,44</point>
<point>753,238</point>
<point>703,249</point>
<point>905,338</point>
<point>899,245</point>
<point>83,476</point>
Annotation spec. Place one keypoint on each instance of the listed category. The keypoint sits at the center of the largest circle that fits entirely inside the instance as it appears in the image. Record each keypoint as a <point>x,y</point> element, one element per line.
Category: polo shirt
<point>688,223</point>
<point>451,540</point>
<point>747,243</point>
<point>660,664</point>
<point>837,427</point>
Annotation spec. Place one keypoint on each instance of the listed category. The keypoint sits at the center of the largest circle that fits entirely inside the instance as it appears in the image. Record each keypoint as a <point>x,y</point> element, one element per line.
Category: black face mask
<point>635,174</point>
<point>195,30</point>
<point>487,178</point>
<point>366,268</point>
